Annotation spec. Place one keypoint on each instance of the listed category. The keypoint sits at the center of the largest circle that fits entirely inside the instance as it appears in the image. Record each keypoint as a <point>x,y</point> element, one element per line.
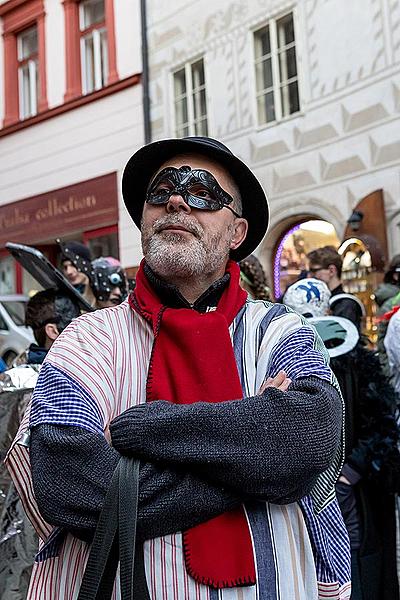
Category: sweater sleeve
<point>72,468</point>
<point>271,446</point>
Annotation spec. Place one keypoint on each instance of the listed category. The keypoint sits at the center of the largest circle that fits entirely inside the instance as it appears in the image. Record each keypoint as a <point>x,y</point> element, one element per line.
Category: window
<point>94,53</point>
<point>24,54</point>
<point>190,100</point>
<point>28,73</point>
<point>7,275</point>
<point>277,90</point>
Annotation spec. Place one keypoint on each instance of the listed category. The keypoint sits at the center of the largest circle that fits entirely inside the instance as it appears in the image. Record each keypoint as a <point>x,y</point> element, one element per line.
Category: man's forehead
<point>198,161</point>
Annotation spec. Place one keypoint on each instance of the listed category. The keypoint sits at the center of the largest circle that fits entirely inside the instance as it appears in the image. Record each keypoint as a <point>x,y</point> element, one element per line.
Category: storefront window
<point>360,278</point>
<point>291,255</point>
<point>104,245</point>
<point>7,277</point>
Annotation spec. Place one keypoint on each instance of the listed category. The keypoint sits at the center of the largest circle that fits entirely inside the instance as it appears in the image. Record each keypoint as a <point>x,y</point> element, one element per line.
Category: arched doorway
<point>360,277</point>
<point>289,258</point>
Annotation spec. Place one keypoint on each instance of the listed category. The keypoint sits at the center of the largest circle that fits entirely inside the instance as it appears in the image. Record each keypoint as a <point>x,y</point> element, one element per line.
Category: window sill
<point>71,105</point>
<point>291,117</point>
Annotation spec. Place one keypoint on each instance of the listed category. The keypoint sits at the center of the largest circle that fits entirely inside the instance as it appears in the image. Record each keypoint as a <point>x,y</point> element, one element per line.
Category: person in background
<point>110,285</point>
<point>253,278</point>
<point>326,264</point>
<point>48,313</point>
<point>387,297</point>
<point>309,297</point>
<point>370,476</point>
<point>389,288</point>
<point>76,267</point>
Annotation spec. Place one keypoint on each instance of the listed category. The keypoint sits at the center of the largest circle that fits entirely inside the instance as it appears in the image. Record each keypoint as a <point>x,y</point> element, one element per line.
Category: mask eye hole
<point>201,191</point>
<point>162,188</point>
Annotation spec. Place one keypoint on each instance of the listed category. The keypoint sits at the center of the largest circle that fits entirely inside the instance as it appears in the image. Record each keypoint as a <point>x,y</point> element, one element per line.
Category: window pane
<point>181,112</point>
<point>266,108</point>
<point>7,279</point>
<point>262,42</point>
<point>199,104</point>
<point>27,43</point>
<point>179,83</point>
<point>88,64</point>
<point>104,57</point>
<point>28,89</point>
<point>25,91</point>
<point>290,99</point>
<point>92,12</point>
<point>264,77</point>
<point>200,127</point>
<point>197,74</point>
<point>182,131</point>
<point>285,29</point>
<point>287,64</point>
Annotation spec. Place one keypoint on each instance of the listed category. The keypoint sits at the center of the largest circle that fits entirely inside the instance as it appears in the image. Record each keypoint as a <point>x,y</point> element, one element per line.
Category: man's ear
<point>51,331</point>
<point>239,233</point>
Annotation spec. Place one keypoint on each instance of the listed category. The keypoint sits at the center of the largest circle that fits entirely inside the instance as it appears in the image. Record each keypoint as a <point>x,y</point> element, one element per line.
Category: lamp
<point>355,220</point>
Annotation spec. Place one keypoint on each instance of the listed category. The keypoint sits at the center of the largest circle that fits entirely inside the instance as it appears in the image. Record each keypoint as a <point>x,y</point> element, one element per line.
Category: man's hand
<point>280,382</point>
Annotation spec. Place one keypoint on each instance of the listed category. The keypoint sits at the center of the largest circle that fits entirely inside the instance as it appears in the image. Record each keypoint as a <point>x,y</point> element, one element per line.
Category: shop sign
<point>80,207</point>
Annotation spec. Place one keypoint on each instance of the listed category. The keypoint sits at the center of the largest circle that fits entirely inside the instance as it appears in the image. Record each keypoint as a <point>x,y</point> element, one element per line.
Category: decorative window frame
<point>271,22</point>
<point>18,16</point>
<point>187,67</point>
<point>73,66</point>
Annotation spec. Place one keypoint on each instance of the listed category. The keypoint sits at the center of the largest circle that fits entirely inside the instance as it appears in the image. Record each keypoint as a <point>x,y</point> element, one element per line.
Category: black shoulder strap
<point>118,516</point>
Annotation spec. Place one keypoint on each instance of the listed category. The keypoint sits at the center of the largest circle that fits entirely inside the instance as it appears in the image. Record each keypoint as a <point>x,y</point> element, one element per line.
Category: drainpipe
<point>145,74</point>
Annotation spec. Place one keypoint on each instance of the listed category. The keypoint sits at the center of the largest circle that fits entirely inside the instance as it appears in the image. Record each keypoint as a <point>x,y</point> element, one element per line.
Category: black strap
<point>119,515</point>
<point>128,504</point>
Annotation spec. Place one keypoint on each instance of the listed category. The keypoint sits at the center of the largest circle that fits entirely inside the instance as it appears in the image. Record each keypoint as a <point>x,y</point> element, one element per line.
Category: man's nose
<point>176,203</point>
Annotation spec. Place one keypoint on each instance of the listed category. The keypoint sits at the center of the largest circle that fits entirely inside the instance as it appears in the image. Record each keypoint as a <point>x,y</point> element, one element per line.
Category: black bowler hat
<point>145,162</point>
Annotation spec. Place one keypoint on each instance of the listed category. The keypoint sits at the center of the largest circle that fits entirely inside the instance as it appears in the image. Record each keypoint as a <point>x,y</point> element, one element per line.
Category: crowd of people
<point>258,467</point>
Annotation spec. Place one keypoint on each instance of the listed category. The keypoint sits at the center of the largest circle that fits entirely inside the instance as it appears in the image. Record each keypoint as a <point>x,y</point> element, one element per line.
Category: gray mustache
<point>188,224</point>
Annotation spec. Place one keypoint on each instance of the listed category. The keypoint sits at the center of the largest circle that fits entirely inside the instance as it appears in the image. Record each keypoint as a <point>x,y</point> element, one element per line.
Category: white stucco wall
<point>84,143</point>
<point>345,141</point>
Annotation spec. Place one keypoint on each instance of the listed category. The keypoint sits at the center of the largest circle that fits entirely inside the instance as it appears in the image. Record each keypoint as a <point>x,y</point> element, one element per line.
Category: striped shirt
<point>97,369</point>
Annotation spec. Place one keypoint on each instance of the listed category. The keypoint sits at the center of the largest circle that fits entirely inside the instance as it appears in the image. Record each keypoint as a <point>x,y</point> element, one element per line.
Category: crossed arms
<point>197,461</point>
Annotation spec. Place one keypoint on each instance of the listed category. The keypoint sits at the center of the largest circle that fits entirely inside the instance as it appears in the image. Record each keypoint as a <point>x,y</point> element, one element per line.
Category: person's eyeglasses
<point>198,188</point>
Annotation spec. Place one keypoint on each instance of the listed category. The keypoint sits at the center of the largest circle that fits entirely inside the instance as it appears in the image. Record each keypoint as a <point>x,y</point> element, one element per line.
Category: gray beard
<point>172,255</point>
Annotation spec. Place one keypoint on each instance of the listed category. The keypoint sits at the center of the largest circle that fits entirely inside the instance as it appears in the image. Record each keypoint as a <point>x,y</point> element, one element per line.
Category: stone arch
<point>289,215</point>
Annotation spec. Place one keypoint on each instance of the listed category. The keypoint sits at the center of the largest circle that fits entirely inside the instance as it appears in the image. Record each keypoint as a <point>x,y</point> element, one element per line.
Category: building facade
<point>70,117</point>
<point>306,92</point>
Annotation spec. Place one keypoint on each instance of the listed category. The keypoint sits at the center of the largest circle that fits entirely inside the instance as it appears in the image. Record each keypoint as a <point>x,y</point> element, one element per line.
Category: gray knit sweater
<point>199,460</point>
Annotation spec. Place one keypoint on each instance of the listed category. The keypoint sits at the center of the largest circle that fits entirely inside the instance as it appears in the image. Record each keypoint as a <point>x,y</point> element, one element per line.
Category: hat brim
<point>145,162</point>
<point>352,335</point>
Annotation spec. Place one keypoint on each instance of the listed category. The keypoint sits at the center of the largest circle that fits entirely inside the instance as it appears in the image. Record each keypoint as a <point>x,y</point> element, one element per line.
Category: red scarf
<point>192,361</point>
<point>387,316</point>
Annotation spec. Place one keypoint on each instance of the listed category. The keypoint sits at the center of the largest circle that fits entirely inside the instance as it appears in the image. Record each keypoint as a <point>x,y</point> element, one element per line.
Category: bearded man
<point>229,404</point>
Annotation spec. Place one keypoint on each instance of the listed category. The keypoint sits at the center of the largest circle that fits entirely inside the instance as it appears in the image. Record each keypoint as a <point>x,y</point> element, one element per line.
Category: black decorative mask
<point>198,188</point>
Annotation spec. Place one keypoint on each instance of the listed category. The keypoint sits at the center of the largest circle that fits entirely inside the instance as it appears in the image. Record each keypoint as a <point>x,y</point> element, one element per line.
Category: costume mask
<point>108,276</point>
<point>198,188</point>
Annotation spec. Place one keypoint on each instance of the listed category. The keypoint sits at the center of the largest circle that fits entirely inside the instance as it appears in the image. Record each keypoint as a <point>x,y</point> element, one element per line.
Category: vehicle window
<point>16,310</point>
<point>3,324</point>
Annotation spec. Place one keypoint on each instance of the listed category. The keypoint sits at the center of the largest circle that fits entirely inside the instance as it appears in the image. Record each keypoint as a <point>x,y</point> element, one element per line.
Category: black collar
<point>171,296</point>
<point>337,290</point>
